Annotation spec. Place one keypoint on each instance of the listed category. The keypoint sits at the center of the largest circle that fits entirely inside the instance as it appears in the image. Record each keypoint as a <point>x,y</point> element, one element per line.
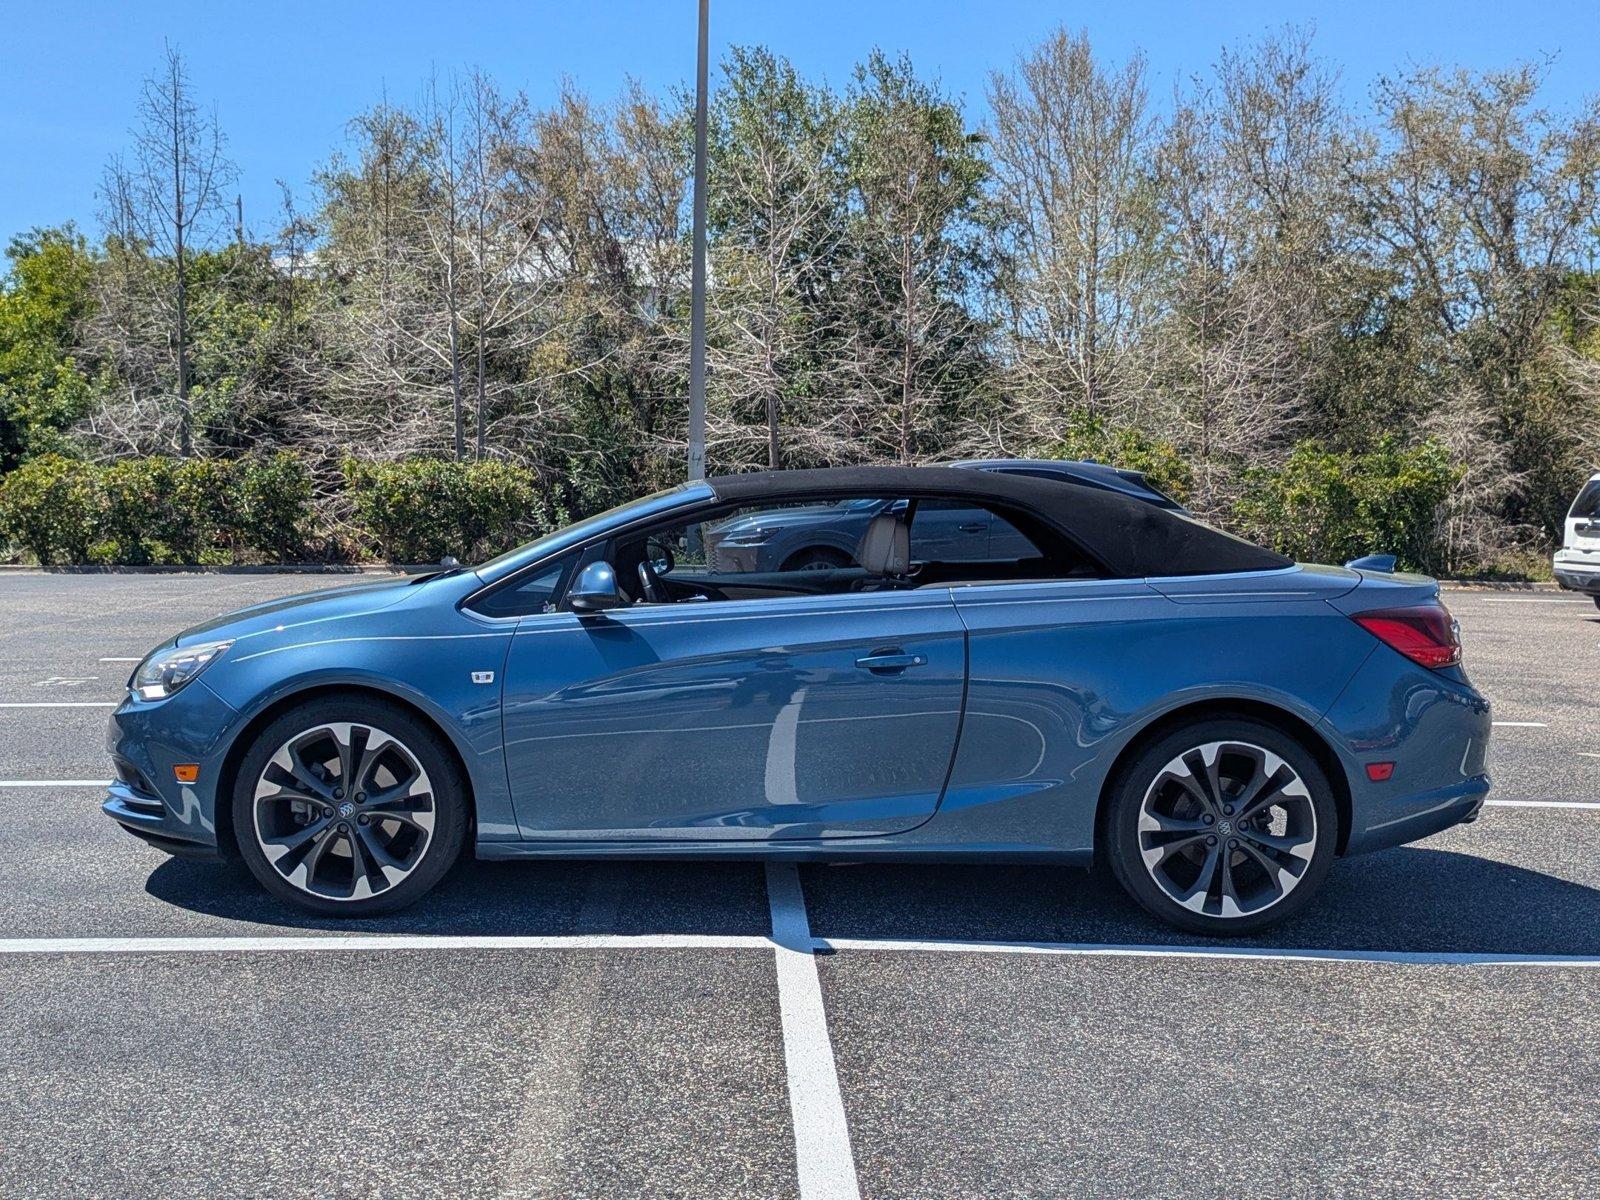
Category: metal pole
<point>697,285</point>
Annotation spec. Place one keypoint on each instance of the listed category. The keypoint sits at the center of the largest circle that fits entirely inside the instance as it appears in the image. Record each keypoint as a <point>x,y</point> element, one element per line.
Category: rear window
<point>1587,505</point>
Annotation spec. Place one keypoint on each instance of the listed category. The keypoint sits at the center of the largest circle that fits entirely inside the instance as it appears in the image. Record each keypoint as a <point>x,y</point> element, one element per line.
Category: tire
<point>1168,826</point>
<point>1596,599</point>
<point>816,558</point>
<point>302,835</point>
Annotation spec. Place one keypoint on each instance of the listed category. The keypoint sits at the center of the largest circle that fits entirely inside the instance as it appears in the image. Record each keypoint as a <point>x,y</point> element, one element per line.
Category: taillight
<point>1424,633</point>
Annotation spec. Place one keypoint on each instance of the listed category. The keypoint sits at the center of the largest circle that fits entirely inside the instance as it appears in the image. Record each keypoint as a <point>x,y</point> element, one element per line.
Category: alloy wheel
<point>344,811</point>
<point>1227,829</point>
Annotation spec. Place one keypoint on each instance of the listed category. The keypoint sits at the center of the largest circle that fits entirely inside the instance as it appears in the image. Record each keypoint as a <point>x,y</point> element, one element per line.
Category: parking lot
<point>1430,1027</point>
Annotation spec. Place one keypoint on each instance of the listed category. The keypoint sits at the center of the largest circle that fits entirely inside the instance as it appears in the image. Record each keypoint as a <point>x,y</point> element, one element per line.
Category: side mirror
<point>595,589</point>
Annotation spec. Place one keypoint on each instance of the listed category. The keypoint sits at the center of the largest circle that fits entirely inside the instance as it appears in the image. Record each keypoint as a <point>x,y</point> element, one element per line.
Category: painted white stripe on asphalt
<point>133,660</point>
<point>1094,950</point>
<point>1542,803</point>
<point>382,941</point>
<point>1531,600</point>
<point>823,1158</point>
<point>43,783</point>
<point>1521,724</point>
<point>366,943</point>
<point>62,704</point>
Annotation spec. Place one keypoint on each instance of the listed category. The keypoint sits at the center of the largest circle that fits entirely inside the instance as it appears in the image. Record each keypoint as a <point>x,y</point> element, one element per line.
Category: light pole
<point>697,278</point>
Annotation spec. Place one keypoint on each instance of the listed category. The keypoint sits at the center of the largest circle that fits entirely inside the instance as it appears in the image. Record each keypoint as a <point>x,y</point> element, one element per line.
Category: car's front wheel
<point>1222,826</point>
<point>349,807</point>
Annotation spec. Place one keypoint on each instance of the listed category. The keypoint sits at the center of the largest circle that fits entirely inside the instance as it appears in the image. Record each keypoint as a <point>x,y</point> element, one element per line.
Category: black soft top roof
<point>1129,537</point>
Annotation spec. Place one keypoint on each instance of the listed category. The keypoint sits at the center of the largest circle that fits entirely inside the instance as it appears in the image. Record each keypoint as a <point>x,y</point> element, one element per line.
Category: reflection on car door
<point>948,531</point>
<point>794,717</point>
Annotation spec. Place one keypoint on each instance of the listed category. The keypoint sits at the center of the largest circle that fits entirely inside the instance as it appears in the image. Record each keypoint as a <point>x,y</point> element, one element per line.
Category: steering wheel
<point>656,562</point>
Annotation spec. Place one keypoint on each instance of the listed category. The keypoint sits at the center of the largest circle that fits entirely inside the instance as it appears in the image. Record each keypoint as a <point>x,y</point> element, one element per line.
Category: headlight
<point>165,671</point>
<point>750,537</point>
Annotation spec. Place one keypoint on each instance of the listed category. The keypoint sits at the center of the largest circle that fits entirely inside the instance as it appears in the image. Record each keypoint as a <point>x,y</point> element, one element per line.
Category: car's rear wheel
<point>1222,826</point>
<point>349,807</point>
<point>1596,601</point>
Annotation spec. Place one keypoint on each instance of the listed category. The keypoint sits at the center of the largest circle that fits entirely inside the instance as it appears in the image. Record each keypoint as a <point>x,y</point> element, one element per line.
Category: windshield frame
<point>655,504</point>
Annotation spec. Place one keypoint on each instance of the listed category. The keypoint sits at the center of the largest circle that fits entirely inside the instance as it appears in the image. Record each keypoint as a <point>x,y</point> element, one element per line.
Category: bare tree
<point>916,178</point>
<point>1248,176</point>
<point>776,218</point>
<point>1481,203</point>
<point>165,200</point>
<point>1072,157</point>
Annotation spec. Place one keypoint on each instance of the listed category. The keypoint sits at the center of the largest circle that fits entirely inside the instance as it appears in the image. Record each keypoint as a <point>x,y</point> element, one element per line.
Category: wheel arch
<point>228,775</point>
<point>1212,709</point>
<point>812,545</point>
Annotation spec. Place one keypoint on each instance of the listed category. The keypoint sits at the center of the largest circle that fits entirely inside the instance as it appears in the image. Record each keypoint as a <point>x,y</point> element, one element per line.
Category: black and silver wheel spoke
<point>344,811</point>
<point>1227,829</point>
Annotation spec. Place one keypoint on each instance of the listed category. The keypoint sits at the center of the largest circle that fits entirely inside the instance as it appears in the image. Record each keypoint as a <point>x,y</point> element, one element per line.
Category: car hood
<point>322,605</point>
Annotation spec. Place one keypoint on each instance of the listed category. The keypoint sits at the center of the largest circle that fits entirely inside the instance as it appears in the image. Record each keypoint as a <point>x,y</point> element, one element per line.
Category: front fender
<point>431,673</point>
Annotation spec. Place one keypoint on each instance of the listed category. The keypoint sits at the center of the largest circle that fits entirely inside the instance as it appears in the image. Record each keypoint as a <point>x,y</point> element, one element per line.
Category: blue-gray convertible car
<point>1095,676</point>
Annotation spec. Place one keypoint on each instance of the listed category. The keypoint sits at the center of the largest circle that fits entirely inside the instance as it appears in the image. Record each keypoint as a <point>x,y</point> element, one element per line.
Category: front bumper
<point>146,740</point>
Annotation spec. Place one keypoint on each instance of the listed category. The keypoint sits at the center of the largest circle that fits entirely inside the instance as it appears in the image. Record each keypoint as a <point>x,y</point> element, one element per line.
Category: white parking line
<point>46,783</point>
<point>823,1158</point>
<point>1542,803</point>
<point>382,941</point>
<point>368,943</point>
<point>1531,600</point>
<point>61,704</point>
<point>1520,724</point>
<point>1135,950</point>
<point>132,660</point>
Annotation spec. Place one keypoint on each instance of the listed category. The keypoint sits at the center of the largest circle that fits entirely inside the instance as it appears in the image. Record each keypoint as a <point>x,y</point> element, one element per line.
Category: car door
<point>801,717</point>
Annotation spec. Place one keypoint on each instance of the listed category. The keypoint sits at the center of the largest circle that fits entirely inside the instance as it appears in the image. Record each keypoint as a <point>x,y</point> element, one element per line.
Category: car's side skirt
<point>840,850</point>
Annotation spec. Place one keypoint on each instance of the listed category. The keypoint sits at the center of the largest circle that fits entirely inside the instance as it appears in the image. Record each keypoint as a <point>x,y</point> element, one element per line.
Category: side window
<point>782,538</point>
<point>951,531</point>
<point>534,593</point>
<point>1587,506</point>
<point>754,552</point>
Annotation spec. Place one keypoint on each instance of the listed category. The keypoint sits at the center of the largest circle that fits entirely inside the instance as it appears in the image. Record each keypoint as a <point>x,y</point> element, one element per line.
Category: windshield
<point>557,539</point>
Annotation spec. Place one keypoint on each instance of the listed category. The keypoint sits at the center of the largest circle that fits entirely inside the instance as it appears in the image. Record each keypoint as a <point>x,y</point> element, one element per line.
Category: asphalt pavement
<point>1428,1027</point>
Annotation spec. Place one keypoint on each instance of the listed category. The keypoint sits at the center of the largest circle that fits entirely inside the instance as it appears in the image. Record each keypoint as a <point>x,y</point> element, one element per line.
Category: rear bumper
<point>1577,572</point>
<point>1433,727</point>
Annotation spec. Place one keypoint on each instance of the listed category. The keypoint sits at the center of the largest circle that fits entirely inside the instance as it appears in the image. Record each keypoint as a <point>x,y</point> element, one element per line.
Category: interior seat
<point>884,552</point>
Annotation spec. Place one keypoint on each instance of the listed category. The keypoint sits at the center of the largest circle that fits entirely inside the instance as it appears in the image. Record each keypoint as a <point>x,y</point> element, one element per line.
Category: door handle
<point>970,528</point>
<point>884,661</point>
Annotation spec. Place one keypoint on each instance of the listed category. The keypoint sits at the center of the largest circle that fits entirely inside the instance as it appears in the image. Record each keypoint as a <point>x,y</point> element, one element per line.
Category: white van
<point>1577,563</point>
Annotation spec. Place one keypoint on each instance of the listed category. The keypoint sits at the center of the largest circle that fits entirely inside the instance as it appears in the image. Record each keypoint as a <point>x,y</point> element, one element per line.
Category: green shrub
<point>420,510</point>
<point>272,504</point>
<point>1091,439</point>
<point>142,511</point>
<point>50,506</point>
<point>1323,506</point>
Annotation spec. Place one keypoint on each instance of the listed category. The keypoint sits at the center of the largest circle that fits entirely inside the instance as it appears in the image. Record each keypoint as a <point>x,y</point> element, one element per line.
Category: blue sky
<point>286,77</point>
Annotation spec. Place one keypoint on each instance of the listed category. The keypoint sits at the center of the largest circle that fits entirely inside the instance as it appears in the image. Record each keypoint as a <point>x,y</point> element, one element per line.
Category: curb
<point>1498,585</point>
<point>266,569</point>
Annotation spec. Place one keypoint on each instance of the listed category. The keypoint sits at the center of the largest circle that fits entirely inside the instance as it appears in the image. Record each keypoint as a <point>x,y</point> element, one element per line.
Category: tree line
<point>1322,324</point>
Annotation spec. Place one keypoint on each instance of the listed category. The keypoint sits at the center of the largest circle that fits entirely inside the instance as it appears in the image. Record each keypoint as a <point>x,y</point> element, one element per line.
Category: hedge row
<point>216,512</point>
<point>1319,506</point>
<point>157,510</point>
